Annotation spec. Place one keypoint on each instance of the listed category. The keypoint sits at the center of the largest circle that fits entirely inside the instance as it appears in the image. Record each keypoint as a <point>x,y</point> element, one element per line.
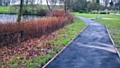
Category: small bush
<point>81,11</point>
<point>103,12</point>
<point>43,12</point>
<point>94,12</point>
<point>58,13</point>
<point>26,12</point>
<point>61,13</point>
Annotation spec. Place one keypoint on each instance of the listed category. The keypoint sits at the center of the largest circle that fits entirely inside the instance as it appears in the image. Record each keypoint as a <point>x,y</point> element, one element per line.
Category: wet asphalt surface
<point>92,48</point>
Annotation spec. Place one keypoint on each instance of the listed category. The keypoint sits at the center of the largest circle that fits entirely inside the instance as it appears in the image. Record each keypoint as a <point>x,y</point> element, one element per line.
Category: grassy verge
<point>87,15</point>
<point>29,8</point>
<point>112,24</point>
<point>114,29</point>
<point>58,42</point>
<point>4,9</point>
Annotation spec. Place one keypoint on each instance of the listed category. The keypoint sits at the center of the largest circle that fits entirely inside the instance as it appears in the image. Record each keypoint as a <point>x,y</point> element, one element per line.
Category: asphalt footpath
<point>92,48</point>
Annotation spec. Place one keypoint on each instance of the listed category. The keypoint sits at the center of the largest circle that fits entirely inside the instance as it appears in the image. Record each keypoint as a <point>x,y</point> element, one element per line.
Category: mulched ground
<point>28,49</point>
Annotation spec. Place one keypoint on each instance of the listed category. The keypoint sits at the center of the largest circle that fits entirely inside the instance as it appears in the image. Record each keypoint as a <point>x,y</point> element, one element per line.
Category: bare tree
<point>19,20</point>
<point>41,2</point>
<point>106,3</point>
<point>51,4</point>
<point>26,2</point>
<point>20,11</point>
<point>37,2</point>
<point>67,5</point>
<point>0,2</point>
<point>6,2</point>
<point>118,5</point>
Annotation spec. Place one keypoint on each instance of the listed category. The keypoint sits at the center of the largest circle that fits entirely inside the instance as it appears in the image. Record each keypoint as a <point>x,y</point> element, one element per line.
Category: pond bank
<point>13,17</point>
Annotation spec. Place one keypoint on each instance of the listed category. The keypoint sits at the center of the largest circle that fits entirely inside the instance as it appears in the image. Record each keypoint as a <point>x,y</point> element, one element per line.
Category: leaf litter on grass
<point>27,50</point>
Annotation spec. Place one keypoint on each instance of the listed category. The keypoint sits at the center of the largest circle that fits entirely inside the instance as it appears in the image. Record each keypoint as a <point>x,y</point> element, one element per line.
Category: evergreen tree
<point>111,3</point>
<point>97,1</point>
<point>79,5</point>
<point>0,2</point>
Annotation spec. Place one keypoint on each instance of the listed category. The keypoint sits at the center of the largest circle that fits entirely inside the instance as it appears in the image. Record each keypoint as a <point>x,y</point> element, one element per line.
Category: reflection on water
<point>13,18</point>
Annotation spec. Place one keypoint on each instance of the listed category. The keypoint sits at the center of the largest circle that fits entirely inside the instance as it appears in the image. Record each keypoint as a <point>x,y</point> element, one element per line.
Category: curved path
<point>92,48</point>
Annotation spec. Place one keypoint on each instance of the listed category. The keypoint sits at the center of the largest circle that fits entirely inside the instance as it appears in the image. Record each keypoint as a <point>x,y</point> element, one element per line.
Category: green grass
<point>61,40</point>
<point>30,8</point>
<point>87,15</point>
<point>4,9</point>
<point>112,24</point>
<point>114,29</point>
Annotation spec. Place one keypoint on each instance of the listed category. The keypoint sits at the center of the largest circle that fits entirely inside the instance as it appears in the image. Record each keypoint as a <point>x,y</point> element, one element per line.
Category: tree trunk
<point>65,6</point>
<point>48,5</point>
<point>20,11</point>
<point>19,19</point>
<point>51,4</point>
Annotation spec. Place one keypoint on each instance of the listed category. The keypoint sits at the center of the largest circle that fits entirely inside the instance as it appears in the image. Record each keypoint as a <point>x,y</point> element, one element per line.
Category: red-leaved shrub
<point>16,32</point>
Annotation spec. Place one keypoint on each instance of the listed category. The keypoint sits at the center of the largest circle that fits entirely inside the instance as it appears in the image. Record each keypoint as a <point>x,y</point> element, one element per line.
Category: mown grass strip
<point>4,9</point>
<point>62,39</point>
<point>88,15</point>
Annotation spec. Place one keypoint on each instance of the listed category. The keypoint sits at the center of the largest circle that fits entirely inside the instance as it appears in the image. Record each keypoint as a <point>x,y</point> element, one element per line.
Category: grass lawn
<point>114,29</point>
<point>9,9</point>
<point>87,15</point>
<point>65,35</point>
<point>4,9</point>
<point>30,8</point>
<point>112,24</point>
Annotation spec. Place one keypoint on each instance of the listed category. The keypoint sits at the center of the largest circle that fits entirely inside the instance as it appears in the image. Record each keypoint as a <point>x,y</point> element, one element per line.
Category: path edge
<point>64,47</point>
<point>112,41</point>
